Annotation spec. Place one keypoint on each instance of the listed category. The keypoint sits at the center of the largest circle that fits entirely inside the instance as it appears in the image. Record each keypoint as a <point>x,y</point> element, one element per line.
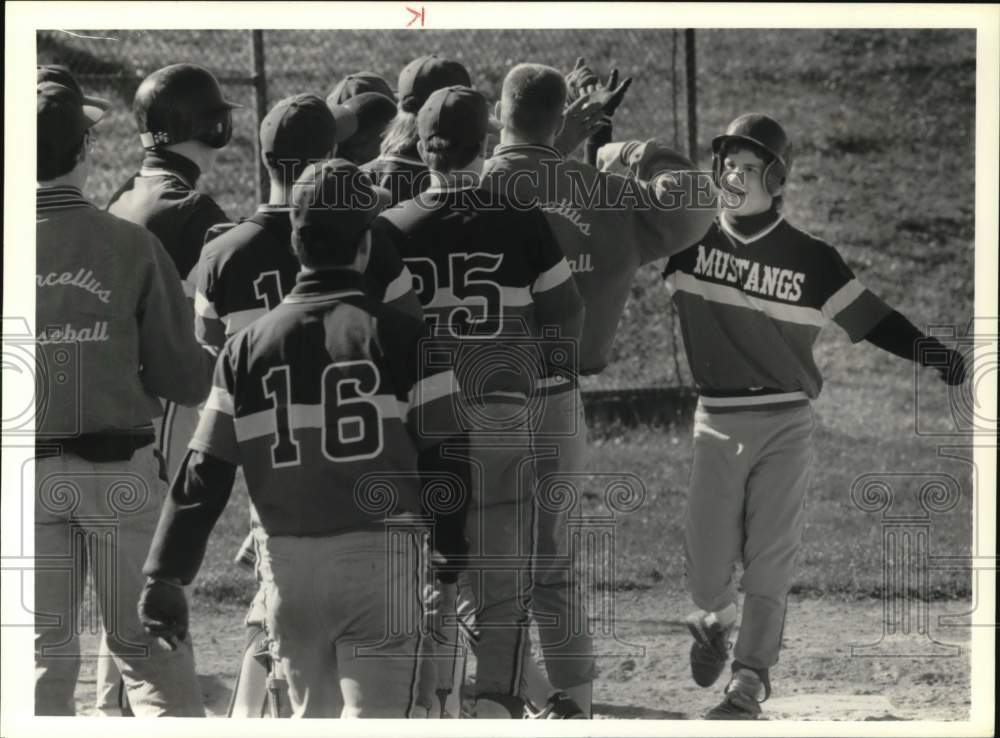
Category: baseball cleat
<point>742,701</point>
<point>710,649</point>
<point>497,706</point>
<point>559,706</point>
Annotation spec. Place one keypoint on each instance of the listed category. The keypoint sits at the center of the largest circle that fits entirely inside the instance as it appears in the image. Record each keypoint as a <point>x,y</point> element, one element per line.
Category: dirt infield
<point>644,672</point>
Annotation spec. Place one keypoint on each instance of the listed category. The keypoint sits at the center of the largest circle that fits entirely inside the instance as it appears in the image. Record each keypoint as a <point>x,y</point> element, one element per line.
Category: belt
<point>751,399</point>
<point>104,447</point>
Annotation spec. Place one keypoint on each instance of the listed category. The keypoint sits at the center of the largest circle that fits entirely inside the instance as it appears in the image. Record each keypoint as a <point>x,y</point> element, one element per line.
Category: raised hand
<point>583,82</point>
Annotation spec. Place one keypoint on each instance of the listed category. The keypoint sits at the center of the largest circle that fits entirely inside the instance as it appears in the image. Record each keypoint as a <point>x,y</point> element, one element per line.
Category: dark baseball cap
<point>93,107</point>
<point>458,114</point>
<point>373,111</point>
<point>333,201</point>
<point>422,76</point>
<point>358,84</point>
<point>303,127</point>
<point>64,115</point>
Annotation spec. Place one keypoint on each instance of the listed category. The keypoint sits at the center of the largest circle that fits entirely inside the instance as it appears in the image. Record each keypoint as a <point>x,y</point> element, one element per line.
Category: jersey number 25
<point>348,416</point>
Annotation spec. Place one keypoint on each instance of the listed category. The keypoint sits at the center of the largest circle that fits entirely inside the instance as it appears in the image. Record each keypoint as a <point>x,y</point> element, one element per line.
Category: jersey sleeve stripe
<point>511,296</point>
<point>725,295</point>
<point>257,425</point>
<point>220,400</point>
<point>842,298</point>
<point>432,388</point>
<point>240,319</point>
<point>214,435</point>
<point>553,277</point>
<point>203,307</point>
<point>399,286</point>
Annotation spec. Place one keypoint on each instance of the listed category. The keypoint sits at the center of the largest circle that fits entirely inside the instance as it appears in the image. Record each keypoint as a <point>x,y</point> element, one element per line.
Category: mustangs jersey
<point>403,176</point>
<point>162,198</point>
<point>248,269</point>
<point>487,275</point>
<point>319,401</point>
<point>751,308</point>
<point>604,223</point>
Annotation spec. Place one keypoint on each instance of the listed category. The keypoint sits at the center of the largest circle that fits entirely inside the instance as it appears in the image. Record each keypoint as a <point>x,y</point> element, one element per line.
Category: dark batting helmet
<point>182,102</point>
<point>762,132</point>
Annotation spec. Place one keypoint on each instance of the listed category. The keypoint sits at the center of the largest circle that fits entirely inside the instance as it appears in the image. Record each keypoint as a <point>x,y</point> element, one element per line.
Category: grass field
<point>883,125</point>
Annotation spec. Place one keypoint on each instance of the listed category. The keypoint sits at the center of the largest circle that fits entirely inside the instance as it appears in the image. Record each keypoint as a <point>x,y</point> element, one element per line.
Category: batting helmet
<point>765,133</point>
<point>182,102</point>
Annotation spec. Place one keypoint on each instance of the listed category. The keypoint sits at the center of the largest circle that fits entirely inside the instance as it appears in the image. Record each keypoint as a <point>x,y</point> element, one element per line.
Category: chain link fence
<point>111,63</point>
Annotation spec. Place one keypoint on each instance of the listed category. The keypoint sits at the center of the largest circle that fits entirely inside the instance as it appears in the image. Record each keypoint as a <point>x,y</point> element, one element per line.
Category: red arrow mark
<point>416,14</point>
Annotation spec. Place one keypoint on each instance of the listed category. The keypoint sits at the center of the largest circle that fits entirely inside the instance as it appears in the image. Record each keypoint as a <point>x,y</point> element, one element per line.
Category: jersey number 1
<point>348,415</point>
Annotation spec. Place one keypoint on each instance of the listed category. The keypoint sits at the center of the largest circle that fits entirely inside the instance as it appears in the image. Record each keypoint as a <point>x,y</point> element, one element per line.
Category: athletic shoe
<point>742,700</point>
<point>559,706</point>
<point>494,705</point>
<point>710,649</point>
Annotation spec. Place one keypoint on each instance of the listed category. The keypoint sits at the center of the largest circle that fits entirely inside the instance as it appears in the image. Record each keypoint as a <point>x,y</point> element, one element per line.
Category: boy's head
<point>751,161</point>
<point>417,81</point>
<point>332,206</point>
<point>452,125</point>
<point>65,119</point>
<point>374,112</point>
<point>532,102</point>
<point>181,103</point>
<point>300,130</point>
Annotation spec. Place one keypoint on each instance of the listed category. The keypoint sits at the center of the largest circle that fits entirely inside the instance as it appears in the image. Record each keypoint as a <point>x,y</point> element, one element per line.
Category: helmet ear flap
<point>776,173</point>
<point>774,177</point>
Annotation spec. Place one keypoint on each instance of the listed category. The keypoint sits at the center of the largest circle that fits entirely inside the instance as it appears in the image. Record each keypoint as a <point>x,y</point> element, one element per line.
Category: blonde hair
<point>401,136</point>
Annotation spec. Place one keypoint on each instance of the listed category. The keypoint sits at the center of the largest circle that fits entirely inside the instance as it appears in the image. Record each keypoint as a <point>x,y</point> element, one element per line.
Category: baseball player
<point>250,267</point>
<point>109,295</point>
<point>753,294</point>
<point>492,277</point>
<point>606,236</point>
<point>374,103</point>
<point>183,121</point>
<point>319,401</point>
<point>399,167</point>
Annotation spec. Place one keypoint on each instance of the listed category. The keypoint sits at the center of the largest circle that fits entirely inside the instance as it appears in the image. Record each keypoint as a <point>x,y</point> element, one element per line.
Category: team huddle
<point>389,349</point>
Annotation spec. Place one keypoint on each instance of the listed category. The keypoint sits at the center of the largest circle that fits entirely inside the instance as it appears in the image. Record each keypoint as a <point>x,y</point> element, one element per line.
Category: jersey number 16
<point>348,415</point>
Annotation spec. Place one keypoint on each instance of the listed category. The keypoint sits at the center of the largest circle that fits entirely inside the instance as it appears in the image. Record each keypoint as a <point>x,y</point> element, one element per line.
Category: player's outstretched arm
<point>197,498</point>
<point>897,335</point>
<point>677,208</point>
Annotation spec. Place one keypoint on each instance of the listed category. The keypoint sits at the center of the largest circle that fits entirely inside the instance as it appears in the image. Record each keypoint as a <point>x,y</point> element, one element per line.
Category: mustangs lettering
<point>752,276</point>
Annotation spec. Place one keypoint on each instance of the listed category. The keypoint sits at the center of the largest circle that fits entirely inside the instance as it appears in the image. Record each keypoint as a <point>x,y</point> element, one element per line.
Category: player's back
<point>475,261</point>
<point>248,268</point>
<point>162,198</point>
<point>402,176</point>
<point>320,391</point>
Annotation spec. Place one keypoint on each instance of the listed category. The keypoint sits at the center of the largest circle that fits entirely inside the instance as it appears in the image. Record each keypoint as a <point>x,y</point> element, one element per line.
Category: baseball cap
<point>304,127</point>
<point>358,84</point>
<point>457,113</point>
<point>64,115</point>
<point>333,201</point>
<point>93,107</point>
<point>374,111</point>
<point>422,76</point>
